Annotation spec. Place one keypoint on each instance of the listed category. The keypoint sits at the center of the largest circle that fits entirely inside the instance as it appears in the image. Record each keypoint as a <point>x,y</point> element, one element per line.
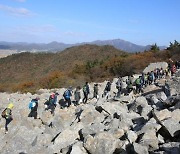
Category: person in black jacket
<point>86,92</point>
<point>107,90</point>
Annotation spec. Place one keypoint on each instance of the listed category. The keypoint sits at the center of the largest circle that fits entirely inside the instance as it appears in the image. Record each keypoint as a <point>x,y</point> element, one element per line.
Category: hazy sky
<point>70,21</point>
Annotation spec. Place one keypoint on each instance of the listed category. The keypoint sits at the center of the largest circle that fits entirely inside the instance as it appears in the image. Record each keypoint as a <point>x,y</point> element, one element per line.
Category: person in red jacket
<point>173,69</point>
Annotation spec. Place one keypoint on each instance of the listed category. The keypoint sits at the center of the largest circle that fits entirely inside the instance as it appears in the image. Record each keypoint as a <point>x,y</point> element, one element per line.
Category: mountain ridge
<point>55,46</point>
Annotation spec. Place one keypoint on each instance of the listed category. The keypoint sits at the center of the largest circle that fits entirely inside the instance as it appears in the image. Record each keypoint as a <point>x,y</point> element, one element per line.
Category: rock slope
<point>146,123</point>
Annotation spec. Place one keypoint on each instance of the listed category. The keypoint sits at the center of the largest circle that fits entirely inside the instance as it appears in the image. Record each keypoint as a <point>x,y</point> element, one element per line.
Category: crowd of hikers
<point>139,83</point>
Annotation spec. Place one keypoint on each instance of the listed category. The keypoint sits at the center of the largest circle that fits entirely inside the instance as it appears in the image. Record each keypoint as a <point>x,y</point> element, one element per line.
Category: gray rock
<point>153,66</point>
<point>162,115</point>
<point>139,149</point>
<point>65,139</point>
<point>93,129</point>
<point>172,126</point>
<point>117,133</point>
<point>102,143</point>
<point>171,148</point>
<point>78,149</point>
<point>150,140</point>
<point>161,96</point>
<point>141,107</point>
<point>132,136</point>
<point>161,139</point>
<point>170,120</point>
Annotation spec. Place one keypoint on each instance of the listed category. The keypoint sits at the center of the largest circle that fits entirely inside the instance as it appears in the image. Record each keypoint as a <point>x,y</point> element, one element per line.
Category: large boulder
<point>102,143</point>
<point>171,148</point>
<point>141,107</point>
<point>140,149</point>
<point>67,137</point>
<point>150,140</point>
<point>78,149</point>
<point>170,121</point>
<point>153,66</point>
<point>93,129</point>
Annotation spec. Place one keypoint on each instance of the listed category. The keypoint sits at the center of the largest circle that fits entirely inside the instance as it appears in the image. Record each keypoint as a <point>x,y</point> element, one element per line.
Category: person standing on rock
<point>150,77</point>
<point>119,86</point>
<point>138,83</point>
<point>77,95</point>
<point>173,70</point>
<point>33,106</point>
<point>145,80</point>
<point>107,90</point>
<point>96,90</point>
<point>177,64</point>
<point>67,96</point>
<point>86,92</point>
<point>53,102</point>
<point>7,115</point>
<point>129,83</point>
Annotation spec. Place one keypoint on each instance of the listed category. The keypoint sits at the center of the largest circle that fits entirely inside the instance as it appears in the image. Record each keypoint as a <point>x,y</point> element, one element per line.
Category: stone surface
<point>102,143</point>
<point>153,66</point>
<point>144,123</point>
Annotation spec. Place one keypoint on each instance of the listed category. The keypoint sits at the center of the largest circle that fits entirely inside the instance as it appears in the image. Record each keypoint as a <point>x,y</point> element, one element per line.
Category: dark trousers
<point>52,108</point>
<point>85,97</point>
<point>33,113</point>
<point>129,89</point>
<point>95,94</point>
<point>8,120</point>
<point>68,100</point>
<point>138,88</point>
<point>119,92</point>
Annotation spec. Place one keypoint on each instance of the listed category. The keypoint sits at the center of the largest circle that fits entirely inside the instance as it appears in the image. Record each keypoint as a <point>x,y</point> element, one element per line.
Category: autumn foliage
<point>31,71</point>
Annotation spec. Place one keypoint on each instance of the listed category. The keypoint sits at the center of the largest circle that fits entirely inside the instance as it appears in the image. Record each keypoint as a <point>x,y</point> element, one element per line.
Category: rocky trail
<point>141,124</point>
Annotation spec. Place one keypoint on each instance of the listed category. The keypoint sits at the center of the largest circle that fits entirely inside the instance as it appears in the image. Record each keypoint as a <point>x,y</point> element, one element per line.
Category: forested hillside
<point>31,71</point>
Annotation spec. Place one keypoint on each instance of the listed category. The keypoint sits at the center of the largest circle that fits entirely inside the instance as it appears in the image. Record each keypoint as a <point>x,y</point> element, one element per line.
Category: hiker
<point>150,77</point>
<point>129,83</point>
<point>52,103</point>
<point>96,90</point>
<point>119,86</point>
<point>7,115</point>
<point>33,106</point>
<point>67,96</point>
<point>161,73</point>
<point>107,90</point>
<point>85,92</point>
<point>173,70</point>
<point>166,72</point>
<point>145,80</point>
<point>156,74</point>
<point>138,83</point>
<point>77,95</point>
<point>177,64</point>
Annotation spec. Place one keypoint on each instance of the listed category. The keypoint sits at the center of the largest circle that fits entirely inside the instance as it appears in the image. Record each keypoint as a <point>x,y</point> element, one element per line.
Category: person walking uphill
<point>95,95</point>
<point>77,95</point>
<point>107,90</point>
<point>119,86</point>
<point>33,106</point>
<point>52,102</point>
<point>138,83</point>
<point>67,96</point>
<point>7,115</point>
<point>129,83</point>
<point>85,92</point>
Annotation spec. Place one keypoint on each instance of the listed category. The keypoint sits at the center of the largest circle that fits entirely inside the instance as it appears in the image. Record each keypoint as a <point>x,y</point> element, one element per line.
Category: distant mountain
<point>57,46</point>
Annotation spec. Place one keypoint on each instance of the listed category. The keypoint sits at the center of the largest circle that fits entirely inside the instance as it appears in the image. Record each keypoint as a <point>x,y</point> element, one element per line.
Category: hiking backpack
<point>138,81</point>
<point>3,114</point>
<point>32,104</point>
<point>67,94</point>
